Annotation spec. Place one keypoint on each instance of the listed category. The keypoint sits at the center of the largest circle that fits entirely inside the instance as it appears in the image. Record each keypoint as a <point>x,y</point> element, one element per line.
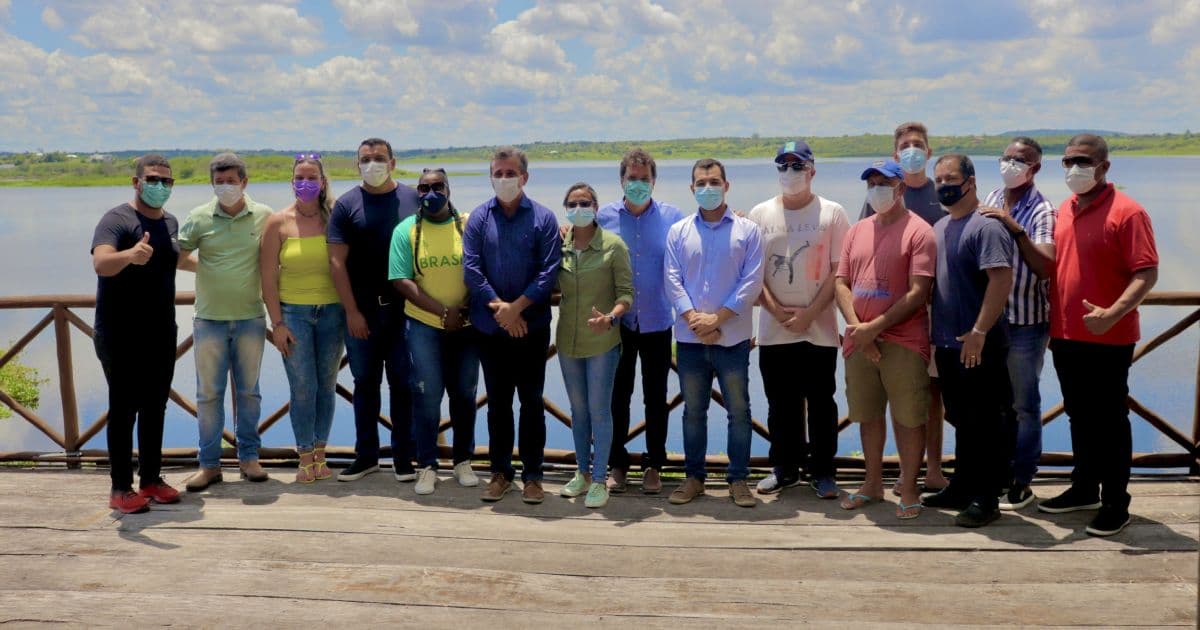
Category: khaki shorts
<point>901,378</point>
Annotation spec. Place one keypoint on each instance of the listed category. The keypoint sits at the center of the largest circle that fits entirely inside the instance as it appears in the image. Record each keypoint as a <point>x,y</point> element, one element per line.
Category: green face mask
<point>155,195</point>
<point>637,192</point>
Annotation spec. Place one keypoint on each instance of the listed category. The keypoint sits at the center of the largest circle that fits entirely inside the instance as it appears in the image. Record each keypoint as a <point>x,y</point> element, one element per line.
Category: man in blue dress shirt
<point>642,222</point>
<point>511,254</point>
<point>714,275</point>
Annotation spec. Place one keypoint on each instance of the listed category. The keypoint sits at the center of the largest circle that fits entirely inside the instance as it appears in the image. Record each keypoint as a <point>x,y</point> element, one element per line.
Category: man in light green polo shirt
<point>229,328</point>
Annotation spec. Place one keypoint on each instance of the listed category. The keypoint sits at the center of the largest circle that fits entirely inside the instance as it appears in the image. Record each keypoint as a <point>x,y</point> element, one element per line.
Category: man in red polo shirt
<point>1106,265</point>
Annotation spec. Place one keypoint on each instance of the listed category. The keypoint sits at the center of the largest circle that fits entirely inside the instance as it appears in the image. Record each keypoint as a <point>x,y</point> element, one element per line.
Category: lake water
<point>47,233</point>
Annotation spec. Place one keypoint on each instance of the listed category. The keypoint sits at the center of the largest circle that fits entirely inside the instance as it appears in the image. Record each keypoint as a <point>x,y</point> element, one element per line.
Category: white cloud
<point>51,19</point>
<point>459,24</point>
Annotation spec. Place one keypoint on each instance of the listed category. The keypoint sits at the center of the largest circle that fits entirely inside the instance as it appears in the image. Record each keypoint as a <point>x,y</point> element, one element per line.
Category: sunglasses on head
<point>579,204</point>
<point>435,186</point>
<point>795,166</point>
<point>154,179</point>
<point>308,156</point>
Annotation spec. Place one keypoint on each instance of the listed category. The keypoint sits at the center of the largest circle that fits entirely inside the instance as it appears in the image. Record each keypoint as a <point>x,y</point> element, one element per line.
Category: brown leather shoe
<point>496,488</point>
<point>532,492</point>
<point>616,481</point>
<point>203,478</point>
<point>651,482</point>
<point>690,489</point>
<point>740,493</point>
<point>253,471</point>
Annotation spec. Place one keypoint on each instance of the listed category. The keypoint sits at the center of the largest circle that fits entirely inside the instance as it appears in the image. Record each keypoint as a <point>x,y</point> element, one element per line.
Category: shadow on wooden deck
<point>279,554</point>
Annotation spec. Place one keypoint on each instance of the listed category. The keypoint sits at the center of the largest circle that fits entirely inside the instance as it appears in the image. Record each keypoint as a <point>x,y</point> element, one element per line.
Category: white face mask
<point>793,183</point>
<point>1014,174</point>
<point>507,188</point>
<point>228,194</point>
<point>374,173</point>
<point>1081,179</point>
<point>881,198</point>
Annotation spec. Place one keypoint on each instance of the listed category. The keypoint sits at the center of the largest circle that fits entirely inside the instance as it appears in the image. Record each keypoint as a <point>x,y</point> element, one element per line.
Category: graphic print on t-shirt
<point>779,263</point>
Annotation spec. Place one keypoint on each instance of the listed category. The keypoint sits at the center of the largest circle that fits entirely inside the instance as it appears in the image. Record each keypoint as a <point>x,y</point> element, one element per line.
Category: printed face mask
<point>227,194</point>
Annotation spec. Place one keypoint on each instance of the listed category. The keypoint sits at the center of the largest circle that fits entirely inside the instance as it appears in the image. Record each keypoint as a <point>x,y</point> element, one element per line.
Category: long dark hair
<point>324,200</point>
<point>421,215</point>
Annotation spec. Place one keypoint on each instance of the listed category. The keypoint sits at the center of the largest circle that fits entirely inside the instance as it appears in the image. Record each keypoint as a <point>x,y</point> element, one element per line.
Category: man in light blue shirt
<point>714,275</point>
<point>642,222</point>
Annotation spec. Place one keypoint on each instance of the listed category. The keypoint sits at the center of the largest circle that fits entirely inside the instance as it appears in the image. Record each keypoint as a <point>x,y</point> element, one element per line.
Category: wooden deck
<point>371,553</point>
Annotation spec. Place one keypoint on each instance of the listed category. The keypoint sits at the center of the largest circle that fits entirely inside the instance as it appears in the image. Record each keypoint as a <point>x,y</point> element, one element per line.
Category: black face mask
<point>950,194</point>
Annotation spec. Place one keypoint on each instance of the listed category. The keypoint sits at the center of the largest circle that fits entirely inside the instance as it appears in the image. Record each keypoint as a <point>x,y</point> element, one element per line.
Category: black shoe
<point>976,516</point>
<point>1017,497</point>
<point>948,498</point>
<point>358,470</point>
<point>1070,501</point>
<point>1109,521</point>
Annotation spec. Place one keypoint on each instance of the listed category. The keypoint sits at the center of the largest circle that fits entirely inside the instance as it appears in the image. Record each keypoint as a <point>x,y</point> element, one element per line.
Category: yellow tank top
<point>304,272</point>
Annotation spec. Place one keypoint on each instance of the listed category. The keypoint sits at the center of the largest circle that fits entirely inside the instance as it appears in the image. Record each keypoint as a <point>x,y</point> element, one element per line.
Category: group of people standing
<point>946,296</point>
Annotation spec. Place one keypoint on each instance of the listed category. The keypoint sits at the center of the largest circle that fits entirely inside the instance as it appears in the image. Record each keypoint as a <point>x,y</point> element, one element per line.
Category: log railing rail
<point>72,439</point>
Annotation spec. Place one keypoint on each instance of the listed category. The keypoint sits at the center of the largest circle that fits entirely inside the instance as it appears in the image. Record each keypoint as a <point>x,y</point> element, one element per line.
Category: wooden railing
<point>73,440</point>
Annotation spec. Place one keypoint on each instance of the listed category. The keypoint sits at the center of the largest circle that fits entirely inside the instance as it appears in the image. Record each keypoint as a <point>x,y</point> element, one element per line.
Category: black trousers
<point>138,366</point>
<point>655,350</point>
<point>799,381</point>
<point>978,404</point>
<point>1095,385</point>
<point>515,366</point>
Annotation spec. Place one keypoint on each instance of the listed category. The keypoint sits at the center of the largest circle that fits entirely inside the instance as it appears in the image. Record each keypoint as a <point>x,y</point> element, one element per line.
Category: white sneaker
<point>772,484</point>
<point>426,480</point>
<point>464,475</point>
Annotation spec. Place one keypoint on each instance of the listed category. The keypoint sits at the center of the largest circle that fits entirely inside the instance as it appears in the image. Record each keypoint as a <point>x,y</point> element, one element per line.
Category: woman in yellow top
<point>307,319</point>
<point>596,283</point>
<point>425,265</point>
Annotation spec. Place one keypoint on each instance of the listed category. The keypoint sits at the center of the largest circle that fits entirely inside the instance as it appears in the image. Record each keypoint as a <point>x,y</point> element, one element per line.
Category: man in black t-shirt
<point>135,251</point>
<point>359,235</point>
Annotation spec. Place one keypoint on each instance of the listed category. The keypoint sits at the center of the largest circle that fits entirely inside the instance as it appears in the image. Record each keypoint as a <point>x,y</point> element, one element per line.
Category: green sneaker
<point>576,486</point>
<point>597,496</point>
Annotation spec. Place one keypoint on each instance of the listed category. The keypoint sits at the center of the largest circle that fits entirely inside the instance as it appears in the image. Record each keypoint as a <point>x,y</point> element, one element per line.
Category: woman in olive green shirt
<point>596,283</point>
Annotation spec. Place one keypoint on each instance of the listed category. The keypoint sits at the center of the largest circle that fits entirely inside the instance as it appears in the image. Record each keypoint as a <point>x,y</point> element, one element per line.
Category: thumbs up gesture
<point>599,322</point>
<point>141,252</point>
<point>1097,320</point>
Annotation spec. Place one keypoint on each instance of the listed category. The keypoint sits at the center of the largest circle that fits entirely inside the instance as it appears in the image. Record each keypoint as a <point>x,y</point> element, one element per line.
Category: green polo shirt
<point>598,276</point>
<point>228,285</point>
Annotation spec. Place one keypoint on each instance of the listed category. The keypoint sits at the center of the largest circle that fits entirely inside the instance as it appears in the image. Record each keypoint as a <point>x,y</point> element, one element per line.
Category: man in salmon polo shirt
<point>1107,263</point>
<point>884,274</point>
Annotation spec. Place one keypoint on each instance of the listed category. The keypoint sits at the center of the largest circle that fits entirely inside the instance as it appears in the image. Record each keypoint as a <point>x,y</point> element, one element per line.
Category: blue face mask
<point>581,217</point>
<point>432,202</point>
<point>637,192</point>
<point>710,197</point>
<point>155,195</point>
<point>912,160</point>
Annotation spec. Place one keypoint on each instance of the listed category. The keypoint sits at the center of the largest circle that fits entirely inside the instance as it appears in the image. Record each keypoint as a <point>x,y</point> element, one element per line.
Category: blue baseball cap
<point>887,168</point>
<point>798,148</point>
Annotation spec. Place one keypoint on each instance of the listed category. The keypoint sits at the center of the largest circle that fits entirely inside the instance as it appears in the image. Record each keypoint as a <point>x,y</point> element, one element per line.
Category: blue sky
<point>120,74</point>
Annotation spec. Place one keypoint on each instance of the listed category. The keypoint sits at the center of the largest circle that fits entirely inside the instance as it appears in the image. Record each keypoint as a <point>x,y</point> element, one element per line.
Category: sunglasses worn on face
<point>435,186</point>
<point>1017,160</point>
<point>795,166</point>
<point>579,204</point>
<point>154,179</point>
<point>1078,160</point>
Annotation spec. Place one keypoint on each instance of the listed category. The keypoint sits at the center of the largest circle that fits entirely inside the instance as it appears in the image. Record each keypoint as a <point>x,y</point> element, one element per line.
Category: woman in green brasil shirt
<point>596,283</point>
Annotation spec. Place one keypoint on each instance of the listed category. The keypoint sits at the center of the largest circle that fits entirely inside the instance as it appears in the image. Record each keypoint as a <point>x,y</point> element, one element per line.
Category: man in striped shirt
<point>1030,218</point>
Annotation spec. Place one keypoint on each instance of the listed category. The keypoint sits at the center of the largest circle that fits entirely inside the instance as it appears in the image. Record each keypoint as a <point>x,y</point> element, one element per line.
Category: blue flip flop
<point>859,500</point>
<point>902,509</point>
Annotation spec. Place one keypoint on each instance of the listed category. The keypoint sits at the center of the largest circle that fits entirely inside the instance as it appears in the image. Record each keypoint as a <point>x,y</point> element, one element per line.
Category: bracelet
<point>978,332</point>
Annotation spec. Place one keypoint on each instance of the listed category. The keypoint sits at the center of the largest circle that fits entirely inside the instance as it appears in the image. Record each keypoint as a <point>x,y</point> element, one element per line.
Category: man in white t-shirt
<point>802,236</point>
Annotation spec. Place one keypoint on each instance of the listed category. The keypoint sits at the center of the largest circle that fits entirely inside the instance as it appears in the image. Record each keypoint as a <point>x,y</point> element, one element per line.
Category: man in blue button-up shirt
<point>511,254</point>
<point>642,222</point>
<point>714,274</point>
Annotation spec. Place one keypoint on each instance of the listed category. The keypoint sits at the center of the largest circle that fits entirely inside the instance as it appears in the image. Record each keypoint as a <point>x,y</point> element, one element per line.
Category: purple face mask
<point>306,190</point>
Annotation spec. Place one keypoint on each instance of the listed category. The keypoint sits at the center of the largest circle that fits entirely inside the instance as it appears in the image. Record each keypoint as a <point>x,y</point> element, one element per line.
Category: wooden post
<point>1195,467</point>
<point>66,384</point>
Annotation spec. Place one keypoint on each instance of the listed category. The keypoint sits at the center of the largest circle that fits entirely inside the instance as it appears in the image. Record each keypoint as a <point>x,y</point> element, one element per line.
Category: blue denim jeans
<point>698,364</point>
<point>589,382</point>
<point>442,362</point>
<point>1026,354</point>
<point>312,368</point>
<point>382,352</point>
<point>223,348</point>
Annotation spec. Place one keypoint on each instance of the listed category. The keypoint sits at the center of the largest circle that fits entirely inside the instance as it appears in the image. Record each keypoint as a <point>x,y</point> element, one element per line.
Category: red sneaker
<point>128,502</point>
<point>159,492</point>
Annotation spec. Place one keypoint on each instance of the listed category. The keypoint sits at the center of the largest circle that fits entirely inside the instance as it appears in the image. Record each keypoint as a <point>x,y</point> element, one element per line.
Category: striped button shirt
<point>1029,302</point>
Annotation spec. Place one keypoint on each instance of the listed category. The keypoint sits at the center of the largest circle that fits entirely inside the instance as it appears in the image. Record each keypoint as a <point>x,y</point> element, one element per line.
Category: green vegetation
<point>191,167</point>
<point>21,382</point>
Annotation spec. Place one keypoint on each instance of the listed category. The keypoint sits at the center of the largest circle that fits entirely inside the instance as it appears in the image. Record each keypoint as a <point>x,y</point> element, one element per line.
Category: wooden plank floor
<point>369,553</point>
